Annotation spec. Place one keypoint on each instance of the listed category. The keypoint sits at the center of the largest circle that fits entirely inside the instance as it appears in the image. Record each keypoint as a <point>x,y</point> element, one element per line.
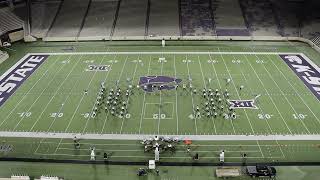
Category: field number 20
<point>265,116</point>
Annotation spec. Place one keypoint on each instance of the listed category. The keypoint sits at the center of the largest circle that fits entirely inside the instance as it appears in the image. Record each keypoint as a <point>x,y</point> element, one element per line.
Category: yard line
<point>261,111</point>
<point>260,148</point>
<point>295,90</point>
<point>144,98</point>
<point>215,72</point>
<point>105,119</point>
<point>220,86</point>
<point>175,74</point>
<point>204,82</point>
<point>69,94</point>
<point>283,94</point>
<point>195,118</point>
<point>80,103</point>
<point>45,108</point>
<point>250,89</point>
<point>232,82</point>
<point>61,107</point>
<point>134,74</point>
<point>85,127</point>
<point>159,116</point>
<point>83,95</point>
<point>274,104</point>
<point>28,92</point>
<point>61,67</point>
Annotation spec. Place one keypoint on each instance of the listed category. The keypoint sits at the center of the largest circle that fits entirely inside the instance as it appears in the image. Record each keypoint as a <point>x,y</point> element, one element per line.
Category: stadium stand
<point>164,23</point>
<point>316,40</point>
<point>131,20</point>
<point>69,19</point>
<point>311,20</point>
<point>72,20</point>
<point>99,21</point>
<point>9,21</point>
<point>42,15</point>
<point>260,17</point>
<point>196,18</point>
<point>288,15</point>
<point>229,19</point>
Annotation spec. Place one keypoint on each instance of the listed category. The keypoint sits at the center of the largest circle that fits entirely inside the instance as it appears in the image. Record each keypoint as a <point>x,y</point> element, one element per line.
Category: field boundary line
<point>53,135</point>
<point>163,52</point>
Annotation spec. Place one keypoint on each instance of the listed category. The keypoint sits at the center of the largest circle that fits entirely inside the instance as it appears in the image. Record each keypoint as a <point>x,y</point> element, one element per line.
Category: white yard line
<point>160,52</point>
<point>194,114</point>
<point>81,100</point>
<point>76,110</point>
<point>250,89</point>
<point>261,111</point>
<point>133,76</point>
<point>274,104</point>
<point>144,98</point>
<point>215,72</point>
<point>28,92</point>
<point>204,83</point>
<point>232,81</point>
<point>107,115</point>
<point>48,85</point>
<point>160,101</point>
<point>88,119</point>
<point>220,86</point>
<point>62,105</point>
<point>175,74</point>
<point>45,108</point>
<point>295,90</point>
<point>283,94</point>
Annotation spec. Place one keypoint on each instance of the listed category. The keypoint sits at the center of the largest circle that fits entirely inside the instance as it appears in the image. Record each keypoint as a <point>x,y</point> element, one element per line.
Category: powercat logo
<point>308,73</point>
<point>158,83</point>
<point>14,77</point>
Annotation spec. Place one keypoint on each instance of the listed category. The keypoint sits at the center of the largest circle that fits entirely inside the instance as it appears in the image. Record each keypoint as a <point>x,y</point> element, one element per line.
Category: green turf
<point>130,150</point>
<point>53,99</point>
<point>79,172</point>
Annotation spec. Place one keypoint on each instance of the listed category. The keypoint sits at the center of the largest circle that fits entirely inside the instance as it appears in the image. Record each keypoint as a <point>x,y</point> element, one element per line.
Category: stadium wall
<point>3,56</point>
<point>213,38</point>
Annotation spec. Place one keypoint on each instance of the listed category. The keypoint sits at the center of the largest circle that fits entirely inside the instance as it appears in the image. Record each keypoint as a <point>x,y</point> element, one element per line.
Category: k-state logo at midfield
<point>309,73</point>
<point>156,83</point>
<point>14,77</point>
<point>243,104</point>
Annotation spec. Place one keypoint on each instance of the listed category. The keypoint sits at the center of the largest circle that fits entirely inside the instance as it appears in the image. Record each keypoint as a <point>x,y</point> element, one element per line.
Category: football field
<point>61,95</point>
<point>183,93</point>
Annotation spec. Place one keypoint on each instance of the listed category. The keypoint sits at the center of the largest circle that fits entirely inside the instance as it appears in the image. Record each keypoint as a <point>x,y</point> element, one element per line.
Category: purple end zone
<point>154,83</point>
<point>15,77</point>
<point>305,71</point>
